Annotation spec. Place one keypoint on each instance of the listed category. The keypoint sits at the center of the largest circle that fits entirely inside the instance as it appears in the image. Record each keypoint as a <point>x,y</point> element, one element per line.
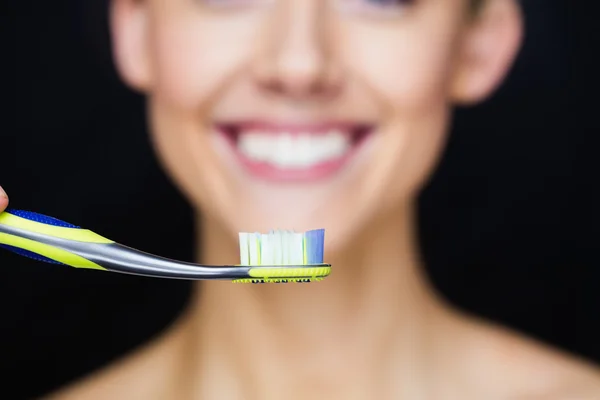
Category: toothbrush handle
<point>45,238</point>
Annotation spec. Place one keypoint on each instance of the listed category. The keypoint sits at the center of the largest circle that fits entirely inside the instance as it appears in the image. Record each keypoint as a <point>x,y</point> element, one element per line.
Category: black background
<point>509,224</point>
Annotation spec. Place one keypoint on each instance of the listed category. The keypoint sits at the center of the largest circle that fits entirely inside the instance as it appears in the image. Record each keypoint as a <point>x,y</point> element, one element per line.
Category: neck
<point>375,305</point>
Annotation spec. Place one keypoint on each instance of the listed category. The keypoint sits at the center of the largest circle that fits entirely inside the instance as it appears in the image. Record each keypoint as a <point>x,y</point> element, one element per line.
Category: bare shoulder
<point>534,370</point>
<point>149,372</point>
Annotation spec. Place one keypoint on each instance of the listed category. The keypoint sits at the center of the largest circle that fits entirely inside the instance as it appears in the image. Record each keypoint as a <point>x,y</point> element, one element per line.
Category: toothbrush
<point>277,257</point>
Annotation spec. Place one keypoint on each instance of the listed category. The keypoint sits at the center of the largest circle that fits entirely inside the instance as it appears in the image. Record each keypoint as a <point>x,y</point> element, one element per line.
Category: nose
<point>295,58</point>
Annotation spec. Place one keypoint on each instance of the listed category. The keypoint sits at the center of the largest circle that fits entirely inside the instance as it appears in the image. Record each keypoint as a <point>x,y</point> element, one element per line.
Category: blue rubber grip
<point>29,254</point>
<point>43,219</point>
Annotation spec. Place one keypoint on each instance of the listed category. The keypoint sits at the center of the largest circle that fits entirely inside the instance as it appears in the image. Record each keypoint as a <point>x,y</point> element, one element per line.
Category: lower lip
<point>316,172</point>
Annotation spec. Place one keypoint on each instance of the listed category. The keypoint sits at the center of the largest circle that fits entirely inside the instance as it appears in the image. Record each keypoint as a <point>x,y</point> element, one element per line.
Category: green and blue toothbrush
<point>276,257</point>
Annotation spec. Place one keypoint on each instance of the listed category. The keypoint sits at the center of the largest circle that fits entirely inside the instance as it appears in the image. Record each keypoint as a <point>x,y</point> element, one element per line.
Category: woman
<point>363,91</point>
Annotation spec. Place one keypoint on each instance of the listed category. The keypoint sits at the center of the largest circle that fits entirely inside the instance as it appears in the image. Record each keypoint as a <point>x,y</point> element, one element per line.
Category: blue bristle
<point>315,246</point>
<point>321,245</point>
<point>321,252</point>
<point>40,218</point>
<point>29,254</point>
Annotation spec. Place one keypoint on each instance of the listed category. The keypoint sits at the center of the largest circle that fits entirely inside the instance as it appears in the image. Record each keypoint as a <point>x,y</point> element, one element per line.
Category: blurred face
<point>297,114</point>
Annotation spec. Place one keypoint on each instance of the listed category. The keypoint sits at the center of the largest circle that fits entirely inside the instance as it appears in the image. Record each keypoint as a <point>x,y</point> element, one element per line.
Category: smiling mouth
<point>294,151</point>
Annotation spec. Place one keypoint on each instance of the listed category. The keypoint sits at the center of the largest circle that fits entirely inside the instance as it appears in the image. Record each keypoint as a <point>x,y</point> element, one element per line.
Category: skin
<point>375,328</point>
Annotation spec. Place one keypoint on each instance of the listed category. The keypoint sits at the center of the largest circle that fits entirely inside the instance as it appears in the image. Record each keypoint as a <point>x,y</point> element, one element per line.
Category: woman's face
<point>296,114</point>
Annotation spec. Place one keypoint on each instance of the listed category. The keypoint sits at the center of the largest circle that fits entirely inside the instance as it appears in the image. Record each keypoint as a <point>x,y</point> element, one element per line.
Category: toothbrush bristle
<point>280,247</point>
<point>314,246</point>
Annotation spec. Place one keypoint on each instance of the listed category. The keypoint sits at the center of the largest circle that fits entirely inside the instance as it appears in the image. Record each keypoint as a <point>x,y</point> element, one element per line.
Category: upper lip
<point>291,127</point>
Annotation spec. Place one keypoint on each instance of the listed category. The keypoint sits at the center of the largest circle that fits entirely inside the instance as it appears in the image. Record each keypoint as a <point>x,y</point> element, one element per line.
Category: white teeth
<point>286,150</point>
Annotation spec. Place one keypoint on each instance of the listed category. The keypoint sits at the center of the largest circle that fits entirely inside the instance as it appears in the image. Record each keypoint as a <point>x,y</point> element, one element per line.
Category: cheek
<point>413,76</point>
<point>408,64</point>
<point>184,153</point>
<point>409,71</point>
<point>190,70</point>
<point>190,65</point>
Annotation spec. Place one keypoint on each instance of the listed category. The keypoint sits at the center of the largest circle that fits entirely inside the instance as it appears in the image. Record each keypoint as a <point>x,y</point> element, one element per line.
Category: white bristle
<point>297,248</point>
<point>285,245</point>
<point>278,247</point>
<point>254,248</point>
<point>244,249</point>
<point>266,252</point>
<point>275,247</point>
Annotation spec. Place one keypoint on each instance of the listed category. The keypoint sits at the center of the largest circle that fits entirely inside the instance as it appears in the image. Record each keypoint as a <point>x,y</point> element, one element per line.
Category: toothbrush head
<point>283,257</point>
<point>286,274</point>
